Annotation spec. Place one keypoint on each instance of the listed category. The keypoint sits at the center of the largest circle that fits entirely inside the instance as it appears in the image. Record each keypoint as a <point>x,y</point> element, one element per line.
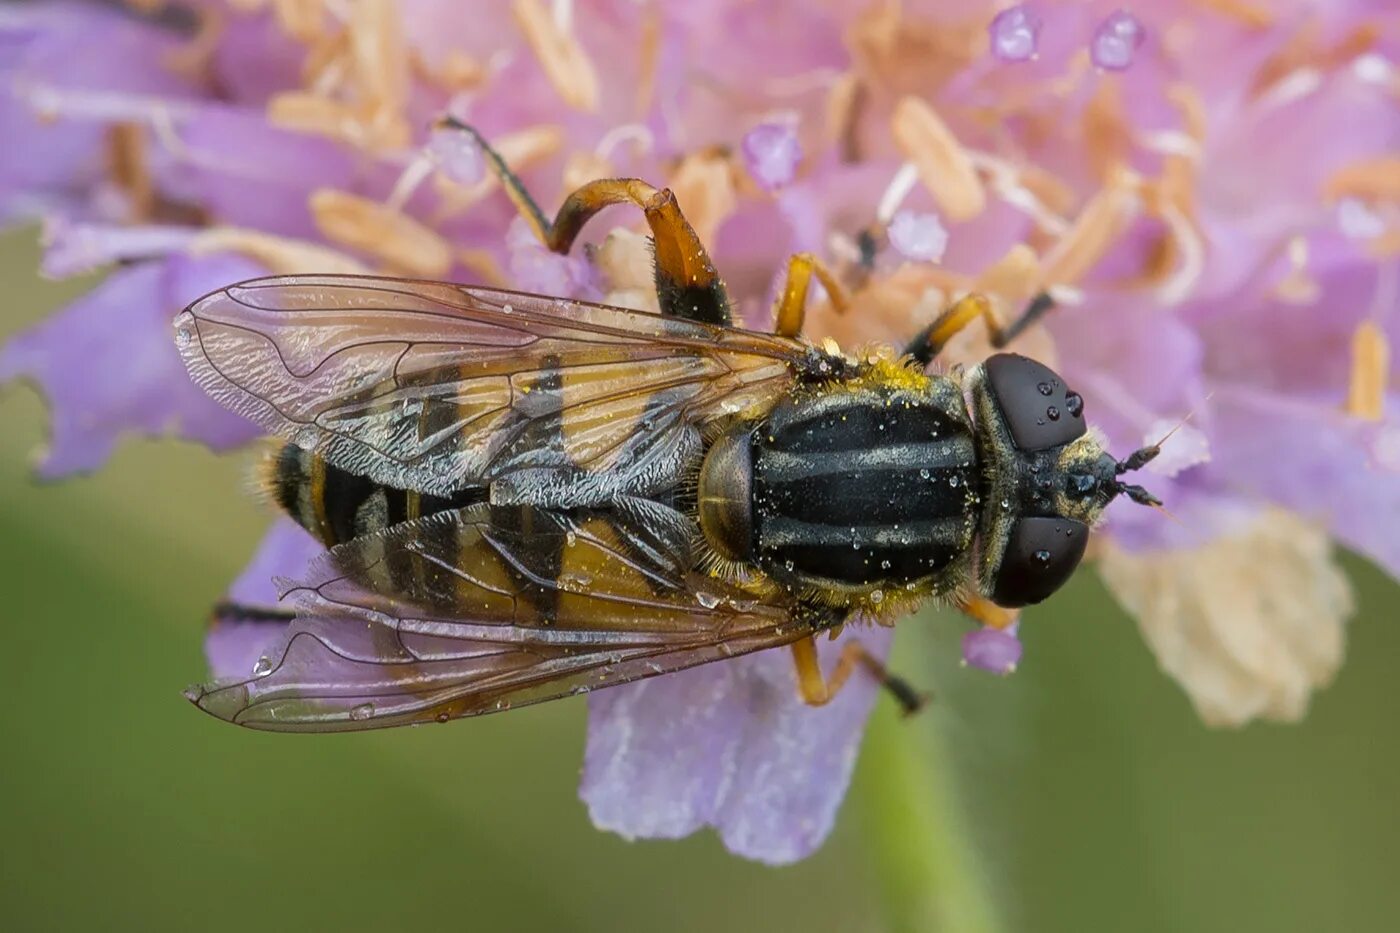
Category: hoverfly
<point>526,497</point>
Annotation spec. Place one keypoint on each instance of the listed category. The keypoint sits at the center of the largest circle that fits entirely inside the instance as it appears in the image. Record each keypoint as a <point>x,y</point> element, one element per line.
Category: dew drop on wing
<point>1045,388</point>
<point>574,582</point>
<point>183,335</point>
<point>877,597</point>
<point>707,599</point>
<point>262,666</point>
<point>362,712</point>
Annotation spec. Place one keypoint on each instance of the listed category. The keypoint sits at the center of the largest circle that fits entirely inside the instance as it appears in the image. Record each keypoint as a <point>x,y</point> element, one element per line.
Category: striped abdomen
<point>864,488</point>
<point>336,506</point>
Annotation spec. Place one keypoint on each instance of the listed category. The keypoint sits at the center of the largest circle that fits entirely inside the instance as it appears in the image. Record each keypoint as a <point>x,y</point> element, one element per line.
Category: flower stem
<point>918,831</point>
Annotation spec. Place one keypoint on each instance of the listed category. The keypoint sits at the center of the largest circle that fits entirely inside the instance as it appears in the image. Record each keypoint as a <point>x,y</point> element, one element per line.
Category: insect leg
<point>686,281</point>
<point>791,306</point>
<point>932,339</point>
<point>818,690</point>
<point>985,612</point>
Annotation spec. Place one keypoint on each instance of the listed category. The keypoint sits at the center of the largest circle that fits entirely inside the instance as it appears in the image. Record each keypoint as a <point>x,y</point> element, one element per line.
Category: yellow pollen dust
<point>944,166</point>
<point>1370,372</point>
<point>565,63</point>
<point>389,235</point>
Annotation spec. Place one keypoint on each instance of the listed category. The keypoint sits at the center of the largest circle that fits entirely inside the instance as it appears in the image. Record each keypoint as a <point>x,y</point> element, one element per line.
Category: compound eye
<point>1037,406</point>
<point>1040,556</point>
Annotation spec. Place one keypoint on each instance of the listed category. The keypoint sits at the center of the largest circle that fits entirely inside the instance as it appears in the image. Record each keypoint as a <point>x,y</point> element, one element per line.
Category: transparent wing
<point>434,386</point>
<point>487,608</point>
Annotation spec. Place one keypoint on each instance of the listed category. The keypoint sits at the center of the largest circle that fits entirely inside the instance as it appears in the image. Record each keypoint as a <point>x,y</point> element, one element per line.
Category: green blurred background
<point>1084,794</point>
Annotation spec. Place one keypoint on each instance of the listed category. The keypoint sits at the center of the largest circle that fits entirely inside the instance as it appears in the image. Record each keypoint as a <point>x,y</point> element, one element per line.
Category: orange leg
<point>686,281</point>
<point>791,306</point>
<point>819,690</point>
<point>986,612</point>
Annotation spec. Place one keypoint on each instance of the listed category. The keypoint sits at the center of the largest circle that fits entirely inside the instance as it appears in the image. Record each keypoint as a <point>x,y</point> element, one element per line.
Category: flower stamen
<point>1370,372</point>
<point>944,166</point>
<point>565,63</point>
<point>380,231</point>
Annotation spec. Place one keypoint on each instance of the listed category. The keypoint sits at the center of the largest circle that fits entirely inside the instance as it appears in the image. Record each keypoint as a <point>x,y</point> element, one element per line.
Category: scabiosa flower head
<point>1207,190</point>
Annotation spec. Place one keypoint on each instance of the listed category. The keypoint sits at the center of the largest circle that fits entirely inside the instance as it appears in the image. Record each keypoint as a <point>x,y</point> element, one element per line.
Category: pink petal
<point>108,364</point>
<point>235,642</point>
<point>728,745</point>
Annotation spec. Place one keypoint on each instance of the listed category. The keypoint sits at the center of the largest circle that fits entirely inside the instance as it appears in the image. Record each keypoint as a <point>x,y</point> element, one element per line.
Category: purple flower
<point>1204,263</point>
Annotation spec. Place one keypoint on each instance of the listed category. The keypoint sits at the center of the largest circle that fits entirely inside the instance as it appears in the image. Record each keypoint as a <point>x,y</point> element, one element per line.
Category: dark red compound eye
<point>1040,556</point>
<point>1040,411</point>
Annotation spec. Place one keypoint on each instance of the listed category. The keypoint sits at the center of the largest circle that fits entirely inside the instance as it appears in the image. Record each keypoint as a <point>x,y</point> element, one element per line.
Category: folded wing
<point>436,387</point>
<point>488,608</point>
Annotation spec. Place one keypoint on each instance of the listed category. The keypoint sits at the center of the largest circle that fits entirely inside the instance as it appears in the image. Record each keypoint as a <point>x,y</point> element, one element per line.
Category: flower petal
<point>234,644</point>
<point>1329,472</point>
<point>108,364</point>
<point>729,745</point>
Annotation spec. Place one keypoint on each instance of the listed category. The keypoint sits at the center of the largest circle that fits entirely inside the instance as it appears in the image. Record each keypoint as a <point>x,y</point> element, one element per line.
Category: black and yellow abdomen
<point>336,505</point>
<point>848,491</point>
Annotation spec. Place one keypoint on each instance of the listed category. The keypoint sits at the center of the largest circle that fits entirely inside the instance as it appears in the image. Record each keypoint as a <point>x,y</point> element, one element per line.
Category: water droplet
<point>707,599</point>
<point>1052,413</point>
<point>183,336</point>
<point>1116,41</point>
<point>877,597</point>
<point>918,236</point>
<point>574,582</point>
<point>443,716</point>
<point>953,480</point>
<point>1014,32</point>
<point>787,565</point>
<point>771,153</point>
<point>1041,557</point>
<point>1045,388</point>
<point>570,538</point>
<point>923,474</point>
<point>507,309</point>
<point>1005,505</point>
<point>1074,404</point>
<point>262,667</point>
<point>362,712</point>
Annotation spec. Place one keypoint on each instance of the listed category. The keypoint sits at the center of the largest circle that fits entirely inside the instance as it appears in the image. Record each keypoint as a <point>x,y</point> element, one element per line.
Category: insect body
<point>526,497</point>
